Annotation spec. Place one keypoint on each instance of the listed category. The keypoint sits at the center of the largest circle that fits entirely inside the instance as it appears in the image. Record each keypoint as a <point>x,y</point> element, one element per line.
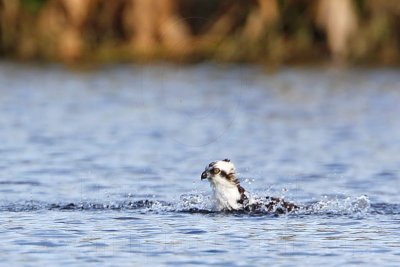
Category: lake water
<point>103,167</point>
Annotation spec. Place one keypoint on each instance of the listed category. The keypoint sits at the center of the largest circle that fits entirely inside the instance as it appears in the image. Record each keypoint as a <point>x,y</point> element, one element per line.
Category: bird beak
<point>204,175</point>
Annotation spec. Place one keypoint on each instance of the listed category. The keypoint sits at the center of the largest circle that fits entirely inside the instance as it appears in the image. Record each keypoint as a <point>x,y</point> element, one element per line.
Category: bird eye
<point>216,171</point>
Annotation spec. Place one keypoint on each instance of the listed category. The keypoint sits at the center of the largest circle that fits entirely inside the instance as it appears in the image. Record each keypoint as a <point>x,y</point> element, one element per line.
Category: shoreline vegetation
<point>269,32</point>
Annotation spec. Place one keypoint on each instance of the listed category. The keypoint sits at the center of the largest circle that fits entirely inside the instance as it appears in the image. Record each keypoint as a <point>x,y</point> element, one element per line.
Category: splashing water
<point>197,203</point>
<point>335,205</point>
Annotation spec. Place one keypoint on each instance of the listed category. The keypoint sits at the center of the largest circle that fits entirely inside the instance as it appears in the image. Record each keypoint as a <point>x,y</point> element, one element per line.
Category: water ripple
<point>189,204</point>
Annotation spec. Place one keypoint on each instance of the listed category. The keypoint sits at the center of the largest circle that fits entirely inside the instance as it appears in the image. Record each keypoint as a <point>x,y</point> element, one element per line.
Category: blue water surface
<point>103,167</point>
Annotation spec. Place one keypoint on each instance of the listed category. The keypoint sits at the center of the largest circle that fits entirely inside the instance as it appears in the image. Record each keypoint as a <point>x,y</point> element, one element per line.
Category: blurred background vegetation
<point>269,32</point>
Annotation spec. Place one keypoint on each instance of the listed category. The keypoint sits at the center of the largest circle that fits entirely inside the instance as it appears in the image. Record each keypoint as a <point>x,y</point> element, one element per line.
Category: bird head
<point>220,169</point>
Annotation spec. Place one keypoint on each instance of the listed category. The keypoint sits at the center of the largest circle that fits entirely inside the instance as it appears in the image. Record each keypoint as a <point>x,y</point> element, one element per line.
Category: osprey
<point>230,195</point>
